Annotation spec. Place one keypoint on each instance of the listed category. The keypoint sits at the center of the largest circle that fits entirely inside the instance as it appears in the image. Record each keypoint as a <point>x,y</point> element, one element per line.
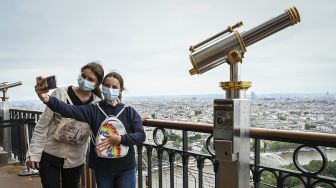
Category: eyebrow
<point>84,76</point>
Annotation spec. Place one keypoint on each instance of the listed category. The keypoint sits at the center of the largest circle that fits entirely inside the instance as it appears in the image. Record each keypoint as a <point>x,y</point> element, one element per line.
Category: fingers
<point>111,140</point>
<point>33,164</point>
<point>41,89</point>
<point>144,117</point>
<point>104,148</point>
<point>28,163</point>
<point>41,85</point>
<point>103,143</point>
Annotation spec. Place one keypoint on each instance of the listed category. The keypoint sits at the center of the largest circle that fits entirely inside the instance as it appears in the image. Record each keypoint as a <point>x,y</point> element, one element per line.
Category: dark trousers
<point>53,175</point>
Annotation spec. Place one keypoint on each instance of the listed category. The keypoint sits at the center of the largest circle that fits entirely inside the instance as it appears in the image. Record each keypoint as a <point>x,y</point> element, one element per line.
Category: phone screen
<point>51,82</point>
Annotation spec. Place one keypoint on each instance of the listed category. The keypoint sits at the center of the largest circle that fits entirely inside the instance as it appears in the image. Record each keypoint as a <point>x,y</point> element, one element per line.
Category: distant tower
<point>253,96</point>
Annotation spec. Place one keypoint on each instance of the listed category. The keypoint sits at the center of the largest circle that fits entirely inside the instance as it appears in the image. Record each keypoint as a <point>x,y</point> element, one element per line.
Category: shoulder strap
<point>115,115</point>
<point>65,92</point>
<point>102,110</point>
<point>121,111</point>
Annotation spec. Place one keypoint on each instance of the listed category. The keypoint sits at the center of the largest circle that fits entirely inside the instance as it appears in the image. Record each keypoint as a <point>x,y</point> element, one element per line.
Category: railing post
<point>256,178</point>
<point>160,154</point>
<point>185,157</point>
<point>172,172</point>
<point>200,166</point>
<point>139,148</point>
<point>149,174</point>
<point>280,180</point>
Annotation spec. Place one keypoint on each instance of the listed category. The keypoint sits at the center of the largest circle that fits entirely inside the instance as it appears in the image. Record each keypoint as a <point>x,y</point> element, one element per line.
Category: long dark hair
<point>98,71</point>
<point>119,78</point>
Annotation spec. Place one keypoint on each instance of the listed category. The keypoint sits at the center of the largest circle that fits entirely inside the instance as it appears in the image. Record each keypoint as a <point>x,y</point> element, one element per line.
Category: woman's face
<point>111,82</point>
<point>88,75</point>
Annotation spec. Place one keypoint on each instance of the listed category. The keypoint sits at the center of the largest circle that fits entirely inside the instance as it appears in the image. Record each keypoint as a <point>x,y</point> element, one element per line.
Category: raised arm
<point>81,113</point>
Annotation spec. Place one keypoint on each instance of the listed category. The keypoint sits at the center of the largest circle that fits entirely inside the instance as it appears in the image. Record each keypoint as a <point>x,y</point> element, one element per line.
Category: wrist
<point>46,99</point>
<point>119,139</point>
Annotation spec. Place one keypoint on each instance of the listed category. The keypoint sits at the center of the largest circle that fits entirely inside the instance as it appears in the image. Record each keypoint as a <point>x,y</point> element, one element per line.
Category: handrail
<point>273,134</point>
<point>195,127</point>
<point>26,111</point>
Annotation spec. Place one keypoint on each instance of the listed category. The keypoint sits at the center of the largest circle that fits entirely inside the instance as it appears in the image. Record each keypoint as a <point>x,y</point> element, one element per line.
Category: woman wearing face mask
<point>60,163</point>
<point>115,172</point>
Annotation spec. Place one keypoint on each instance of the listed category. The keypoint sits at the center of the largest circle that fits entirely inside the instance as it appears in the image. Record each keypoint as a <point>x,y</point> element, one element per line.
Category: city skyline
<point>148,44</point>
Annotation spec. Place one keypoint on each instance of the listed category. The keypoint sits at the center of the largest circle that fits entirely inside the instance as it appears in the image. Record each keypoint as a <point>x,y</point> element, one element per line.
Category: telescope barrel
<point>290,17</point>
<point>6,86</point>
<point>215,52</point>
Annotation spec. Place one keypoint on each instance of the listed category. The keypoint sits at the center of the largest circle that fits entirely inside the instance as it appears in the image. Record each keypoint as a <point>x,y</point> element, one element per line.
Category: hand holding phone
<point>43,85</point>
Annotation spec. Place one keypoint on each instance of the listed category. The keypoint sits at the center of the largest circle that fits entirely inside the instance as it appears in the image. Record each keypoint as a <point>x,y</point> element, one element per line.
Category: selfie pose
<point>58,146</point>
<point>116,129</point>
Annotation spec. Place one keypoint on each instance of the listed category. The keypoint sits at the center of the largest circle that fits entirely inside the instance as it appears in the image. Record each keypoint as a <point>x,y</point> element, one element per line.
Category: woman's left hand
<point>144,117</point>
<point>111,140</point>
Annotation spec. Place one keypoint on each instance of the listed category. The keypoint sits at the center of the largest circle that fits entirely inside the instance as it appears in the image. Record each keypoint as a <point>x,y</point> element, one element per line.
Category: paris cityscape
<point>312,113</point>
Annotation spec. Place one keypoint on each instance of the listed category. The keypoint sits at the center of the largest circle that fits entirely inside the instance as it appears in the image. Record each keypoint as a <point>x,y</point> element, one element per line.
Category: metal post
<point>185,158</point>
<point>4,108</point>
<point>7,144</point>
<point>232,146</point>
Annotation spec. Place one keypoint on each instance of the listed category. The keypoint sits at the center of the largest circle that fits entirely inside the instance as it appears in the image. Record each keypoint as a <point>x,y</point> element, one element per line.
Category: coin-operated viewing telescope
<point>4,87</point>
<point>230,45</point>
<point>232,115</point>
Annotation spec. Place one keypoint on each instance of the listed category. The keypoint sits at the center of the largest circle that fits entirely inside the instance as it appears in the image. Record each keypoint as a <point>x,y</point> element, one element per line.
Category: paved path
<point>9,177</point>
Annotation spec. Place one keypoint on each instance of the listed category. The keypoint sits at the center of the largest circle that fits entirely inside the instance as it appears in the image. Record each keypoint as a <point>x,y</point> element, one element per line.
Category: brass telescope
<point>230,45</point>
<point>4,85</point>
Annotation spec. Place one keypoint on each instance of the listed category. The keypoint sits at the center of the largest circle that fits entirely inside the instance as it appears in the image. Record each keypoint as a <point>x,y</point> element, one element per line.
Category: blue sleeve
<point>81,113</point>
<point>137,135</point>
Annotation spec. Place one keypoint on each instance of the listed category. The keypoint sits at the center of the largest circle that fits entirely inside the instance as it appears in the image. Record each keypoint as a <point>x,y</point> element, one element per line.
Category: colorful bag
<point>111,125</point>
<point>70,130</point>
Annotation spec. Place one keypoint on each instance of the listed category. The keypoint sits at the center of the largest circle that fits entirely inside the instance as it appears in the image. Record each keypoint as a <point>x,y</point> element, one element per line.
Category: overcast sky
<point>147,42</point>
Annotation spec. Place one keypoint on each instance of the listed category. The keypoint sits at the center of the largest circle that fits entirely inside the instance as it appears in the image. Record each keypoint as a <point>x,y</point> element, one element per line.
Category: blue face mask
<point>84,84</point>
<point>110,94</point>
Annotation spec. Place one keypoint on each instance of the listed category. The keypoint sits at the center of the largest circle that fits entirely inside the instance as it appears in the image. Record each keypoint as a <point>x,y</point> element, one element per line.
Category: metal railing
<point>152,157</point>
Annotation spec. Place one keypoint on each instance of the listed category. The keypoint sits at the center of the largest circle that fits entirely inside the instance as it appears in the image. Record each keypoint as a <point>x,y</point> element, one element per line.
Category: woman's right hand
<point>41,89</point>
<point>33,164</point>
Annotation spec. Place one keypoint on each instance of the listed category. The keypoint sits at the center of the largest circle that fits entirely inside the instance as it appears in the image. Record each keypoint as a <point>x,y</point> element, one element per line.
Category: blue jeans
<point>125,179</point>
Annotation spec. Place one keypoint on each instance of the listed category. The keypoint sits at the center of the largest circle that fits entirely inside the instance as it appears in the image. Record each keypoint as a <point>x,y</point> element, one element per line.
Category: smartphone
<point>51,82</point>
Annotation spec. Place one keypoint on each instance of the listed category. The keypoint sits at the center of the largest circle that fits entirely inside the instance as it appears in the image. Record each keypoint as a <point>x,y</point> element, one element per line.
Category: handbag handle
<point>67,96</point>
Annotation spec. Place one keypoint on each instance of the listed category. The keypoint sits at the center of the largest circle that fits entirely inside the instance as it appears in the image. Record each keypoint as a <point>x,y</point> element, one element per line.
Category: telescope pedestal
<point>6,132</point>
<point>232,142</point>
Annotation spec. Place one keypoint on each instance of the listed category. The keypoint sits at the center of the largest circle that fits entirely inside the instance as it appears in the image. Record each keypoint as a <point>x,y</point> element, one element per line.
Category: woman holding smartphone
<point>109,172</point>
<point>60,163</point>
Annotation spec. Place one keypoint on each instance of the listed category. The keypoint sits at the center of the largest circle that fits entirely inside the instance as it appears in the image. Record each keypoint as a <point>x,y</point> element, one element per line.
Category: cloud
<point>148,43</point>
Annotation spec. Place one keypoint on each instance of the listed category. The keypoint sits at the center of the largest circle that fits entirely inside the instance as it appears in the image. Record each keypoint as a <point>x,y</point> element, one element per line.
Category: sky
<point>147,42</point>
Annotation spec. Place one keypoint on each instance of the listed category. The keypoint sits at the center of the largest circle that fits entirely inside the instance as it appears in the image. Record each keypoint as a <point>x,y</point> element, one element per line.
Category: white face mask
<point>110,94</point>
<point>84,84</point>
